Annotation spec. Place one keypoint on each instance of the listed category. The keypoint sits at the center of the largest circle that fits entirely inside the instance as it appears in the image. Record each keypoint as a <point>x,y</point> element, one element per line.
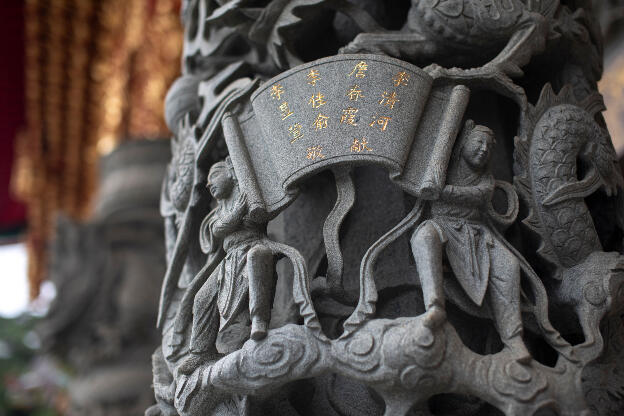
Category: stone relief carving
<point>478,257</point>
<point>349,233</point>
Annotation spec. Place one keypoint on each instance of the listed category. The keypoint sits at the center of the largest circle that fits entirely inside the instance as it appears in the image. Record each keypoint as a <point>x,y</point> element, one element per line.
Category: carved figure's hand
<point>446,193</point>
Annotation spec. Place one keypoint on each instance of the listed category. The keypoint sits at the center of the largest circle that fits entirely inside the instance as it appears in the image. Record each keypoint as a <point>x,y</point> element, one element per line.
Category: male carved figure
<point>483,265</point>
<point>242,281</point>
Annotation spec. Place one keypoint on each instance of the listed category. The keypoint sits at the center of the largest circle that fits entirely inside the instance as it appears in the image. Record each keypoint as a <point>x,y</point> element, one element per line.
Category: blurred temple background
<point>83,148</point>
<point>95,74</point>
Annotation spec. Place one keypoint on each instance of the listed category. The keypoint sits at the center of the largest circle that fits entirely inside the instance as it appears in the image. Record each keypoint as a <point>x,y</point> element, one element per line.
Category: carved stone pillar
<point>107,273</point>
<point>385,207</point>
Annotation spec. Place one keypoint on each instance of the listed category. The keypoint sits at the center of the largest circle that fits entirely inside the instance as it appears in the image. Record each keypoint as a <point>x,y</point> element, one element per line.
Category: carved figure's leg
<point>427,248</point>
<point>589,324</point>
<point>260,272</point>
<point>205,317</point>
<point>504,298</point>
<point>285,310</point>
<point>205,326</point>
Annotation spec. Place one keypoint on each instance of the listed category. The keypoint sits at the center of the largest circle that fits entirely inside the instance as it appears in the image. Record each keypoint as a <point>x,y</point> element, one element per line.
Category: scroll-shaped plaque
<point>346,109</point>
<point>424,174</point>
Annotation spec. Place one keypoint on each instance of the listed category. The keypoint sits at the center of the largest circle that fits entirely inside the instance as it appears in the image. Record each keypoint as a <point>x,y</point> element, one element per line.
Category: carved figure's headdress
<point>227,163</point>
<point>483,129</point>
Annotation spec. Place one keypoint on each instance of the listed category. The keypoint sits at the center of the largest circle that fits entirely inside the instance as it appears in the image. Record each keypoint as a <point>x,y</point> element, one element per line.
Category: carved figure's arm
<point>470,195</point>
<point>224,226</point>
<point>231,220</point>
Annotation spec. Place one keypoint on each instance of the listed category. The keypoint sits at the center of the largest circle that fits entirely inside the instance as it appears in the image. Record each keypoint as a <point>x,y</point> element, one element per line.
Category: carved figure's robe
<point>467,239</point>
<point>468,247</point>
<point>231,280</point>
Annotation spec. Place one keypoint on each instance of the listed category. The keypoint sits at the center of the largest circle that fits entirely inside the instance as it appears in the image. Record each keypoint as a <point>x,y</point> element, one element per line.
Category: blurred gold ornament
<point>96,74</point>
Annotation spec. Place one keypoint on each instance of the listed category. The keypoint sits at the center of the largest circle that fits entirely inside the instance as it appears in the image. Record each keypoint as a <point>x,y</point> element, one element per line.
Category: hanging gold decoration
<point>96,73</point>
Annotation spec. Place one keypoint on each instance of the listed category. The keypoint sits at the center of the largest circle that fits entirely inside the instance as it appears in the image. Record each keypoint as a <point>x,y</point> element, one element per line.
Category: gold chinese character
<point>320,122</point>
<point>359,69</point>
<point>389,99</point>
<point>276,91</point>
<point>295,132</point>
<point>315,152</point>
<point>313,76</point>
<point>285,110</point>
<point>317,100</point>
<point>400,78</point>
<point>348,116</point>
<point>381,121</point>
<point>354,93</point>
<point>360,145</point>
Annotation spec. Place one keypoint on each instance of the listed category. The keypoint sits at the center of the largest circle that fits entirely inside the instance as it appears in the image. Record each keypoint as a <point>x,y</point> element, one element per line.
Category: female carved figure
<point>241,282</point>
<point>485,268</point>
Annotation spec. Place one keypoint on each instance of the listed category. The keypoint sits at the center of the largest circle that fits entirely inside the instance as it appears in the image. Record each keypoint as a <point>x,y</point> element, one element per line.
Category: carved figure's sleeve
<point>476,195</point>
<point>208,240</point>
<point>222,226</point>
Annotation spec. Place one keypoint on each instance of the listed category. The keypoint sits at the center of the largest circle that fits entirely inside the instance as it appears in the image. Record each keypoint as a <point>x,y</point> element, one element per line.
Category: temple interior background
<point>79,80</point>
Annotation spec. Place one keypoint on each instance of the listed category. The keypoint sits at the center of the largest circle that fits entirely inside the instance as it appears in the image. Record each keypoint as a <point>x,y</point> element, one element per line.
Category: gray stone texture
<point>419,191</point>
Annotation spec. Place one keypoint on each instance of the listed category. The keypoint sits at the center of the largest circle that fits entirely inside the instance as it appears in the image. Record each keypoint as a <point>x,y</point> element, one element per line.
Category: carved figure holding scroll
<point>240,284</point>
<point>484,267</point>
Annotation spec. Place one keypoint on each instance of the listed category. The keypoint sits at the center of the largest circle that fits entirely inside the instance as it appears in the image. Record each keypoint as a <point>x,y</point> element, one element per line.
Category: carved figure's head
<point>477,146</point>
<point>221,179</point>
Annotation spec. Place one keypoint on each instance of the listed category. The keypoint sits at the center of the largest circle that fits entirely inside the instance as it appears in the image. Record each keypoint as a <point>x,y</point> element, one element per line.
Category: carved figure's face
<point>220,182</point>
<point>476,151</point>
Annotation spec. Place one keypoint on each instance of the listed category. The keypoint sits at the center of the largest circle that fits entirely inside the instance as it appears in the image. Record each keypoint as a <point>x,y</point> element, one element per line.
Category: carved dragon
<point>563,139</point>
<point>560,142</point>
<point>496,34</point>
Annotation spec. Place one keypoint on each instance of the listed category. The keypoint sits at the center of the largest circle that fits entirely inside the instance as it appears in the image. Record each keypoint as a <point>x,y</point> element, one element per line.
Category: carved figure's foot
<point>190,363</point>
<point>434,317</point>
<point>258,328</point>
<point>518,350</point>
